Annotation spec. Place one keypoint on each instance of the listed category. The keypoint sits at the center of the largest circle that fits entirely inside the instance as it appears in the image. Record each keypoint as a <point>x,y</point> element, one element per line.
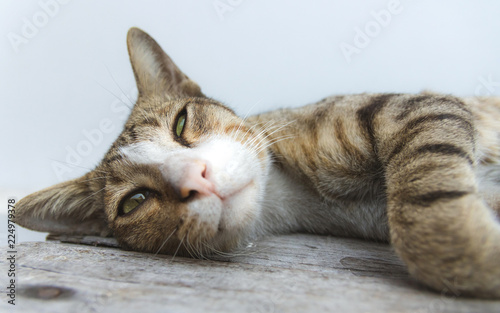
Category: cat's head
<point>185,174</point>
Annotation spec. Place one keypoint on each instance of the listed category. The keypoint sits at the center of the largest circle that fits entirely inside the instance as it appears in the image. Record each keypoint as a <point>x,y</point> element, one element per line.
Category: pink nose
<point>194,180</point>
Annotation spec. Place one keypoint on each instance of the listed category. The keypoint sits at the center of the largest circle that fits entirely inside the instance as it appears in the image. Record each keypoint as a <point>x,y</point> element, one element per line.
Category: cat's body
<point>330,164</point>
<point>187,176</point>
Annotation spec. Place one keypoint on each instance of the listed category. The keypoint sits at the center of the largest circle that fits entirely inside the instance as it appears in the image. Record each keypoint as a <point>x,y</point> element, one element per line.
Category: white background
<point>73,71</point>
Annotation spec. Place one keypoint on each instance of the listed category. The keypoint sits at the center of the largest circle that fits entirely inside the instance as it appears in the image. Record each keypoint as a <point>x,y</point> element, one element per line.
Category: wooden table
<point>293,273</point>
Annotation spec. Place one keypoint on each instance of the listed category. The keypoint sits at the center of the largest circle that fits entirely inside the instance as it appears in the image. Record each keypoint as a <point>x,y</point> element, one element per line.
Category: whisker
<point>189,249</point>
<point>71,164</point>
<point>211,249</point>
<point>218,252</point>
<point>111,93</point>
<point>193,252</point>
<point>274,131</point>
<point>243,120</point>
<point>262,142</point>
<point>164,242</point>
<point>264,129</point>
<point>175,253</point>
<point>274,141</point>
<point>113,78</point>
<point>199,249</point>
<point>259,139</point>
<point>246,133</point>
<point>248,130</point>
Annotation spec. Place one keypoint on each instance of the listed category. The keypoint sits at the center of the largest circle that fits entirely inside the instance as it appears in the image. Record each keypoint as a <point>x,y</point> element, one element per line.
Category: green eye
<point>133,201</point>
<point>181,121</point>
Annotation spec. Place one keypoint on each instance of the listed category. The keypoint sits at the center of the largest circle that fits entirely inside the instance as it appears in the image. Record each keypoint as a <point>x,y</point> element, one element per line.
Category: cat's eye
<point>133,201</point>
<point>181,121</point>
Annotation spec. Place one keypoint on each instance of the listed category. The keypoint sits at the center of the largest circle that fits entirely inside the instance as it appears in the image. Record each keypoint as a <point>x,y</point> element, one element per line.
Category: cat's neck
<point>286,203</point>
<point>291,203</point>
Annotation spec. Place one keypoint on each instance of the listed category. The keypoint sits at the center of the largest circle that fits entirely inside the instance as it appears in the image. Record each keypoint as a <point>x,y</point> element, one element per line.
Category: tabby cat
<point>189,177</point>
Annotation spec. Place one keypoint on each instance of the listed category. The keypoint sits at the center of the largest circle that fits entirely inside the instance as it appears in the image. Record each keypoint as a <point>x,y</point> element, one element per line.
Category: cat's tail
<point>445,233</point>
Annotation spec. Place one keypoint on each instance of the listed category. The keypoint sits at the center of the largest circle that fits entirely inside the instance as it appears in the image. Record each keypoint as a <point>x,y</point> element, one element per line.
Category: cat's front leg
<point>439,225</point>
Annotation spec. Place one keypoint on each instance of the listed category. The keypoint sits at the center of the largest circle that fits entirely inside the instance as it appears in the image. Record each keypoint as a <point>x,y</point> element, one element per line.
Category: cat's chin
<point>238,214</point>
<point>240,208</point>
<point>220,223</point>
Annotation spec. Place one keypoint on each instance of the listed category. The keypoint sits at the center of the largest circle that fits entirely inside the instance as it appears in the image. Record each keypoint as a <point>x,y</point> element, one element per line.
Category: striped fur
<point>420,171</point>
<point>421,154</point>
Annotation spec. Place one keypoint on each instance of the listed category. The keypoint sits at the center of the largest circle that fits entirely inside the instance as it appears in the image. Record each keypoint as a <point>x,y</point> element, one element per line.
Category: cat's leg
<point>439,224</point>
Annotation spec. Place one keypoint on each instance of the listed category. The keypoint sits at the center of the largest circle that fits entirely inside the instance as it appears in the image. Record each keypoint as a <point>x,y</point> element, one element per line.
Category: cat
<point>187,176</point>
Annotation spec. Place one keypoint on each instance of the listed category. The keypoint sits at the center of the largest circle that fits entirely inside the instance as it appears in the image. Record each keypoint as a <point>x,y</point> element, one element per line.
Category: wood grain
<point>293,273</point>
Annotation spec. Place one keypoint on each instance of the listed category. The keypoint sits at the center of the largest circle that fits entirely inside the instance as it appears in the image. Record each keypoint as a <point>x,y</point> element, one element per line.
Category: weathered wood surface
<point>295,273</point>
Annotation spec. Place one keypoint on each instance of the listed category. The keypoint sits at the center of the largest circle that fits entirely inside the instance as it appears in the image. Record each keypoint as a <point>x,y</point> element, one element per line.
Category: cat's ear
<point>72,208</point>
<point>155,73</point>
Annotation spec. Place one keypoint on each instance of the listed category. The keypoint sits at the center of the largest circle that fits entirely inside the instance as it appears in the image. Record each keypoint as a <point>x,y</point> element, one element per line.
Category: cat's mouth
<point>233,193</point>
<point>233,207</point>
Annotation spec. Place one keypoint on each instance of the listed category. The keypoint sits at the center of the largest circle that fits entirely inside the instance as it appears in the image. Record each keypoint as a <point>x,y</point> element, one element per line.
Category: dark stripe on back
<point>428,199</point>
<point>444,149</point>
<point>438,117</point>
<point>412,129</point>
<point>321,112</point>
<point>347,146</point>
<point>411,104</point>
<point>414,174</point>
<point>367,114</point>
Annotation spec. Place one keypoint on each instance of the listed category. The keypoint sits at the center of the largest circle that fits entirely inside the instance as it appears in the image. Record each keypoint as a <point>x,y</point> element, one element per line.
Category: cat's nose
<point>194,181</point>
